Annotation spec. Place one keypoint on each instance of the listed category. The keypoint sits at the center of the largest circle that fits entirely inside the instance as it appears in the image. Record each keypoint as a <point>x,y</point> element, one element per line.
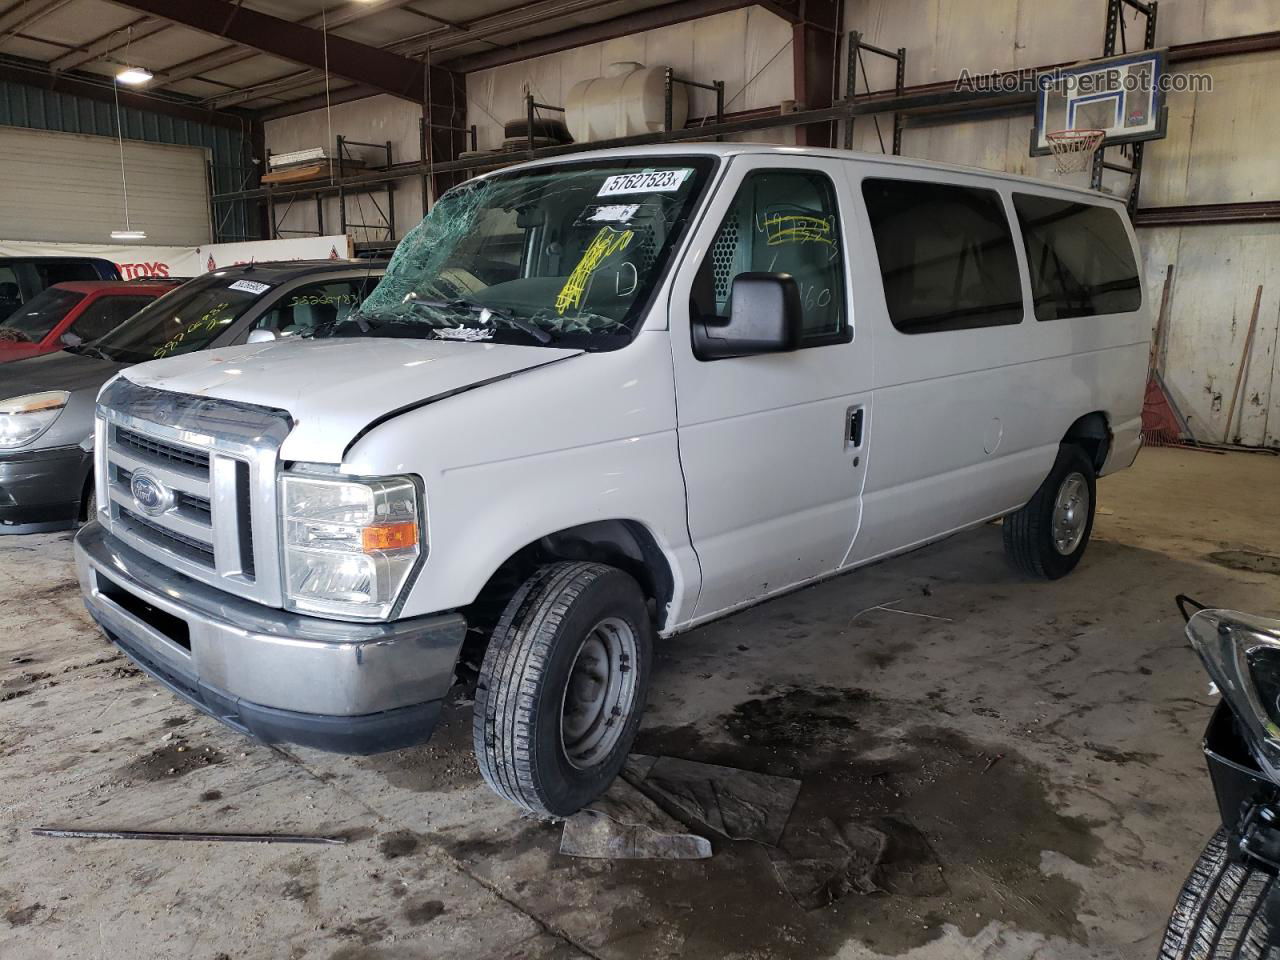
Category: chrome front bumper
<point>347,687</point>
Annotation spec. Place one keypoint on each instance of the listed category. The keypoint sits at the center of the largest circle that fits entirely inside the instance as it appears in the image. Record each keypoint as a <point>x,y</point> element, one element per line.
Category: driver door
<point>773,446</point>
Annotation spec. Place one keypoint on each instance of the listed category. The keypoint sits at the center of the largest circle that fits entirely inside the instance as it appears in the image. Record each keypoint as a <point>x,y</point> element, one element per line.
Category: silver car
<point>47,402</point>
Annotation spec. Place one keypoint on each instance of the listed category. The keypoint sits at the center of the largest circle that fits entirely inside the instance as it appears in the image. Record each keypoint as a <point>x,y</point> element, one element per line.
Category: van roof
<point>735,149</point>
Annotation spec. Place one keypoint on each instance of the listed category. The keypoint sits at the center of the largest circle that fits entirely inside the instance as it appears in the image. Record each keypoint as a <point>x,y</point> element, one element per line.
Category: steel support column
<point>813,58</point>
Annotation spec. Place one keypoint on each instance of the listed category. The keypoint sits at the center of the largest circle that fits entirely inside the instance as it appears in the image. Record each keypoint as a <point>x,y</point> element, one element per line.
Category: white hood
<point>335,388</point>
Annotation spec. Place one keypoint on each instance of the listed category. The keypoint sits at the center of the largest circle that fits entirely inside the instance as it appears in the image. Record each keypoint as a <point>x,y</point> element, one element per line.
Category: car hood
<point>63,370</point>
<point>334,389</point>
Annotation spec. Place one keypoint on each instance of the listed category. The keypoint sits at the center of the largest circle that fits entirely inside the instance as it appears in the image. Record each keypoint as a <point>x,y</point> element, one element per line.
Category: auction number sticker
<point>646,181</point>
<point>250,286</point>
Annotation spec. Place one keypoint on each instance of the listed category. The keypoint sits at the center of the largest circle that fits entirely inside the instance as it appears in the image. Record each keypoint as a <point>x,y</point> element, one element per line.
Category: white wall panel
<point>740,47</point>
<point>1216,273</point>
<point>374,120</point>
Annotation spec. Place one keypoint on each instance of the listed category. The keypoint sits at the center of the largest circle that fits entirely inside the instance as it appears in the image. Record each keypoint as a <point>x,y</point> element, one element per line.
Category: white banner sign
<point>135,260</point>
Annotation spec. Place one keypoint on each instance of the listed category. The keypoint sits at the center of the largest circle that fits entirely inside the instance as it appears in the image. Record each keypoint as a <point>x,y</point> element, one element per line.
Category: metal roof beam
<point>100,88</point>
<point>358,62</point>
<point>225,56</point>
<point>139,29</point>
<point>480,30</point>
<point>25,14</point>
<point>636,22</point>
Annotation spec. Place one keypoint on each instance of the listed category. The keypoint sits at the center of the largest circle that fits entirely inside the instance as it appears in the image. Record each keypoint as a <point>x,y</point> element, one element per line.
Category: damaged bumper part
<point>40,490</point>
<point>354,688</point>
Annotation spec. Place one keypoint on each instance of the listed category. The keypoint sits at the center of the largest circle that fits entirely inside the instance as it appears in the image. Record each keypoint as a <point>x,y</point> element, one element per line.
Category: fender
<point>529,456</point>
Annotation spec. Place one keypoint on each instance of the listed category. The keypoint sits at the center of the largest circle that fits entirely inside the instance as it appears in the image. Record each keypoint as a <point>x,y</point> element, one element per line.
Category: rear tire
<point>562,687</point>
<point>1221,912</point>
<point>1048,536</point>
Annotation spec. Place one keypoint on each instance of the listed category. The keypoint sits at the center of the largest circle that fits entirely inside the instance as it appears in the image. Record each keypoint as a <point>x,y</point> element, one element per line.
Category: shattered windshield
<point>565,254</point>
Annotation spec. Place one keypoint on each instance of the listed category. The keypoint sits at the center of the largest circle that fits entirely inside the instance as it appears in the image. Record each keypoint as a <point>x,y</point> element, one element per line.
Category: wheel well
<point>85,490</point>
<point>1092,433</point>
<point>625,544</point>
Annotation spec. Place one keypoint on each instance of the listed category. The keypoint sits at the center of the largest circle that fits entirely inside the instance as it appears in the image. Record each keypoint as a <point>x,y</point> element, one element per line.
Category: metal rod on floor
<point>165,835</point>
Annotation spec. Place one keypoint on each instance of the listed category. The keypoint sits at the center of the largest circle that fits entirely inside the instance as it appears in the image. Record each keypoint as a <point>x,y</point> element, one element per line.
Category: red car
<point>67,314</point>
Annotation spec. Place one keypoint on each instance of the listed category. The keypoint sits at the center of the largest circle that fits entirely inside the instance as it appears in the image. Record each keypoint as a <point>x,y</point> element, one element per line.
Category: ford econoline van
<point>602,399</point>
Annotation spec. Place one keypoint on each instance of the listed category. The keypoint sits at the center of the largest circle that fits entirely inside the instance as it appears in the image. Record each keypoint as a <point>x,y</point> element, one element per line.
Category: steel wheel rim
<point>1070,513</point>
<point>600,694</point>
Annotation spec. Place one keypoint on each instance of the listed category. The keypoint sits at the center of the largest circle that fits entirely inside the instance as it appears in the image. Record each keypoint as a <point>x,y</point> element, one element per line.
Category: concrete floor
<point>1036,745</point>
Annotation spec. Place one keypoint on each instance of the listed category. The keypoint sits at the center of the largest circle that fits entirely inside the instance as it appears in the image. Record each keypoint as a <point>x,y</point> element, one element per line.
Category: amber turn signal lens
<point>389,536</point>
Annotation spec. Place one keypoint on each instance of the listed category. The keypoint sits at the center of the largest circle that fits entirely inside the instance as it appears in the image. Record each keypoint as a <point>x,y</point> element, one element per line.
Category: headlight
<point>22,419</point>
<point>1242,655</point>
<point>349,545</point>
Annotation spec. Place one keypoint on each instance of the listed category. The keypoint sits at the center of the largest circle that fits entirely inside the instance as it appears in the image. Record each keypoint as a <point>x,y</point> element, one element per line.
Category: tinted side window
<point>65,271</point>
<point>10,291</point>
<point>105,314</point>
<point>316,308</point>
<point>783,221</point>
<point>1080,258</point>
<point>946,255</point>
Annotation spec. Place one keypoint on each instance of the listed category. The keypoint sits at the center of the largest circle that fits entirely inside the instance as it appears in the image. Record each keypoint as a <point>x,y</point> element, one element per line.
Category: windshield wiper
<point>485,313</point>
<point>85,350</point>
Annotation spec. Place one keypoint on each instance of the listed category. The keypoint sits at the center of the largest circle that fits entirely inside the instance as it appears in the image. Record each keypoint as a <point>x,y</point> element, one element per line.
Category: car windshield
<point>32,322</point>
<point>569,254</point>
<point>183,320</point>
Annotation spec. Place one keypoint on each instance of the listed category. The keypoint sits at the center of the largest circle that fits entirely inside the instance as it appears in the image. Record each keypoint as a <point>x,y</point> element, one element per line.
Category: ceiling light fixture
<point>128,233</point>
<point>134,76</point>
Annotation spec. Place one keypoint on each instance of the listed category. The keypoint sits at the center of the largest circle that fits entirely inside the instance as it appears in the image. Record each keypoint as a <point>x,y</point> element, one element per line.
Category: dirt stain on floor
<point>174,759</point>
<point>422,913</point>
<point>398,843</point>
<point>967,823</point>
<point>1247,560</point>
<point>444,764</point>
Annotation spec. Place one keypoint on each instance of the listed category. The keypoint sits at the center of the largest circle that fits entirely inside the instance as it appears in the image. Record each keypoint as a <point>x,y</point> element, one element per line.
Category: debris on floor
<point>624,824</point>
<point>737,804</point>
<point>818,863</point>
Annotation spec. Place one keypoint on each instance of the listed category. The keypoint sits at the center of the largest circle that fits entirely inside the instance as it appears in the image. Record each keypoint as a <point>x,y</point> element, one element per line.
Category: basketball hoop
<point>1073,149</point>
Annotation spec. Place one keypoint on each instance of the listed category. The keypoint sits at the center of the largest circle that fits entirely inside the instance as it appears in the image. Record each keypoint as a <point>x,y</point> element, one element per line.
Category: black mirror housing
<point>765,316</point>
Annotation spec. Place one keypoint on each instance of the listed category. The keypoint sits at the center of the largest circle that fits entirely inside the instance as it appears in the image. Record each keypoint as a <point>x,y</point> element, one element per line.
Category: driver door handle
<point>853,421</point>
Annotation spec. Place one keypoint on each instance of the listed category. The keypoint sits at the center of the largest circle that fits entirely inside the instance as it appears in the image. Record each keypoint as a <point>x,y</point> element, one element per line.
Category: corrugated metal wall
<point>1218,150</point>
<point>26,106</point>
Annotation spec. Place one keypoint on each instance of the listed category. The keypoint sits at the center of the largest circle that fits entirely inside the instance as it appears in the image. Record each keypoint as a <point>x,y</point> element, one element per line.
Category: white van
<point>604,398</point>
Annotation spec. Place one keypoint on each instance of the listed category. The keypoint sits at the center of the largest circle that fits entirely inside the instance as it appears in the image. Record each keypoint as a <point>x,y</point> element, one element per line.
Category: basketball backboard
<point>1123,96</point>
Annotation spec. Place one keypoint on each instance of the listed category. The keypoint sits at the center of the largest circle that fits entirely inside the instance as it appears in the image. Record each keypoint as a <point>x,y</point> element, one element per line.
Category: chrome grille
<point>211,465</point>
<point>155,451</point>
<point>197,550</point>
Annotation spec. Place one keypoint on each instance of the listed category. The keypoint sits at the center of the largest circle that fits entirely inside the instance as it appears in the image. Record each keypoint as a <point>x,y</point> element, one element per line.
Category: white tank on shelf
<point>628,99</point>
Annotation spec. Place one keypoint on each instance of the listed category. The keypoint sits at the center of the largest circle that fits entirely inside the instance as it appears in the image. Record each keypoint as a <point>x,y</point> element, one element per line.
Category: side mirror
<point>261,335</point>
<point>765,316</point>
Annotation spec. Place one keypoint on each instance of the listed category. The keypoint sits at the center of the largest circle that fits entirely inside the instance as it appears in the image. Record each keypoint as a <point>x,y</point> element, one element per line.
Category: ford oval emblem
<point>149,494</point>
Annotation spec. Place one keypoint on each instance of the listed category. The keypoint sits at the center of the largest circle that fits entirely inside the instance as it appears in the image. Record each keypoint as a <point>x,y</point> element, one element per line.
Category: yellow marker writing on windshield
<point>607,242</point>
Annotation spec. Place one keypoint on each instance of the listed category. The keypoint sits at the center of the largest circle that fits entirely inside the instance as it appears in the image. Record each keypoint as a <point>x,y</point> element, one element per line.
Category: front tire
<point>562,687</point>
<point>1221,913</point>
<point>1048,536</point>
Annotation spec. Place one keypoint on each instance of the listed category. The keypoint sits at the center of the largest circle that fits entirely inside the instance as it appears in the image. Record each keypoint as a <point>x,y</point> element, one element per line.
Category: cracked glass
<point>566,254</point>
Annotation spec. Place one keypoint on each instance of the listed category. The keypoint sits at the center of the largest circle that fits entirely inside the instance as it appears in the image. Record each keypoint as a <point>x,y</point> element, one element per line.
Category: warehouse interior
<point>1031,750</point>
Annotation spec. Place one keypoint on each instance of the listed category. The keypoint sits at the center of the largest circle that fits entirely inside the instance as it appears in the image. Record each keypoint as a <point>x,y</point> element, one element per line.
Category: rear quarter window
<point>1081,260</point>
<point>946,255</point>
